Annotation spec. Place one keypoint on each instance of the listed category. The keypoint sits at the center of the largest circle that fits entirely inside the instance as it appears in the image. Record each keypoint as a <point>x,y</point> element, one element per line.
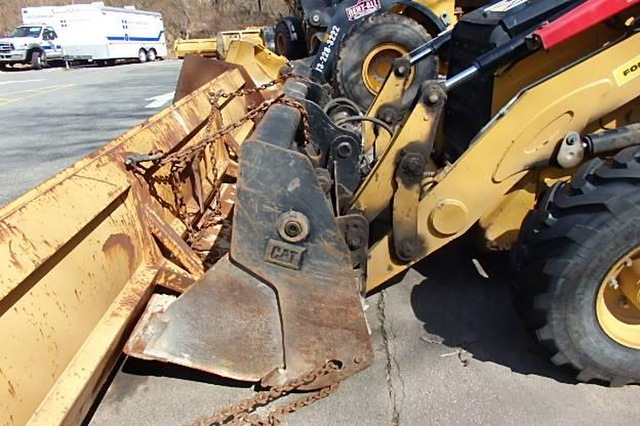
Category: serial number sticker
<point>362,9</point>
<point>325,53</point>
<point>504,5</point>
<point>627,72</point>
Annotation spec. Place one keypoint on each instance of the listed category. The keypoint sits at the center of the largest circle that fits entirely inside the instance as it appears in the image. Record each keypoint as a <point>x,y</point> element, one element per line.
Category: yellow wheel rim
<point>618,301</point>
<point>378,63</point>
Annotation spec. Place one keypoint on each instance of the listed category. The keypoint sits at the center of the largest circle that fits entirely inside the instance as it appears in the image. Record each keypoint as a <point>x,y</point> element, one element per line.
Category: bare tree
<point>295,7</point>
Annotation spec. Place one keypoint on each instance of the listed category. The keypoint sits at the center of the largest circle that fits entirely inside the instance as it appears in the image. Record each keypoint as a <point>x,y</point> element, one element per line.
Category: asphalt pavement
<point>450,349</point>
<point>53,117</point>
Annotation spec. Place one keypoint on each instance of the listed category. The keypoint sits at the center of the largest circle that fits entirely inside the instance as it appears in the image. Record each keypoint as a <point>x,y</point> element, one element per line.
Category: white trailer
<point>93,32</point>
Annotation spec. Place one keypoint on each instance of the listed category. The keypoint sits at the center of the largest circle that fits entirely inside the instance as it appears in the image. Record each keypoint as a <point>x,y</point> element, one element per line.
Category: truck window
<point>26,32</point>
<point>48,34</point>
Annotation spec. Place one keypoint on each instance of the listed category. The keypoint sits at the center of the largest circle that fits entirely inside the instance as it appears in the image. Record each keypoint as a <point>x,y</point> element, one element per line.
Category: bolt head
<point>387,117</point>
<point>344,150</point>
<point>292,228</point>
<point>613,283</point>
<point>412,165</point>
<point>431,97</point>
<point>407,250</point>
<point>354,243</point>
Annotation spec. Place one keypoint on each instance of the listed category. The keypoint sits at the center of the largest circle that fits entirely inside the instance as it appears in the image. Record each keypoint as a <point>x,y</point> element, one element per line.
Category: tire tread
<point>592,205</point>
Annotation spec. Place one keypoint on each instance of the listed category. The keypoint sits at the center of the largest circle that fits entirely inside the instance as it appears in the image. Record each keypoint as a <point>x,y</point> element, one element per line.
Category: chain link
<point>240,413</point>
<point>180,160</point>
<point>256,113</point>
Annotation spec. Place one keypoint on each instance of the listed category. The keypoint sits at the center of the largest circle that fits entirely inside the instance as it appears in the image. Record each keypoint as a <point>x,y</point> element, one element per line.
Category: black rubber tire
<point>152,55</point>
<point>364,37</point>
<point>289,38</point>
<point>38,60</point>
<point>142,56</point>
<point>566,248</point>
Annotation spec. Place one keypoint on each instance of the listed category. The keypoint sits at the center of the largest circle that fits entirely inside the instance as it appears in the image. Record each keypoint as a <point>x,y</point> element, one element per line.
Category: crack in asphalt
<point>390,360</point>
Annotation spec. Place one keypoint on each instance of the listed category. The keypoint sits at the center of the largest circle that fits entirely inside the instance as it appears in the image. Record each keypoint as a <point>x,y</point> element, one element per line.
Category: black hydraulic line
<point>358,118</point>
<point>518,48</point>
<point>612,140</point>
<point>429,48</point>
<point>514,49</point>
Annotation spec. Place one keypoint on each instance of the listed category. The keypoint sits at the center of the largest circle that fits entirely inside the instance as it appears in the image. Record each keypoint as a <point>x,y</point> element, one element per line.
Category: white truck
<point>84,32</point>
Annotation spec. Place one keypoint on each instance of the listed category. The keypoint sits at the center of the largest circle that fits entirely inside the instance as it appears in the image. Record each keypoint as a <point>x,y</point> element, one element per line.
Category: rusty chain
<point>180,159</point>
<point>253,114</point>
<point>240,413</point>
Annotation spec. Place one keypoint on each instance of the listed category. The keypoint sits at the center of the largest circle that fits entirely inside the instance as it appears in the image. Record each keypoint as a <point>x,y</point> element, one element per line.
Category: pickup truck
<point>30,44</point>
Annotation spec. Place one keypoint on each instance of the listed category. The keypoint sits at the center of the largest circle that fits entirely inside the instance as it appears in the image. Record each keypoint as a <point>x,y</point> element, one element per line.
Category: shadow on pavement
<point>138,367</point>
<point>133,374</point>
<point>476,314</point>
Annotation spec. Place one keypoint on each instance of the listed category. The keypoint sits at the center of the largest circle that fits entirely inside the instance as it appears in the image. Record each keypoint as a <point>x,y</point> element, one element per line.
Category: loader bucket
<point>81,254</point>
<point>257,65</point>
<point>285,300</point>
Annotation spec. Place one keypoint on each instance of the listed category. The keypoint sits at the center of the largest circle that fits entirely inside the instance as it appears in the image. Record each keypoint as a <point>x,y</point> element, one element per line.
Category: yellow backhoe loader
<point>239,231</point>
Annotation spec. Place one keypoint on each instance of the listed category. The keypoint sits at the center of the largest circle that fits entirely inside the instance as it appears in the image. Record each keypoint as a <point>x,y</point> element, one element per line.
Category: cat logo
<point>627,72</point>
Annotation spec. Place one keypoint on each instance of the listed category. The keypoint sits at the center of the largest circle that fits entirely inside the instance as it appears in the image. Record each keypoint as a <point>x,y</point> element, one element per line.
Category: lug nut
<point>614,284</point>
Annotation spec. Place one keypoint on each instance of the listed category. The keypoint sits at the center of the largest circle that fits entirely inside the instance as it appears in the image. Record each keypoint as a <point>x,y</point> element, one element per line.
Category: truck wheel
<point>151,55</point>
<point>367,53</point>
<point>578,265</point>
<point>289,38</point>
<point>142,56</point>
<point>38,60</point>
